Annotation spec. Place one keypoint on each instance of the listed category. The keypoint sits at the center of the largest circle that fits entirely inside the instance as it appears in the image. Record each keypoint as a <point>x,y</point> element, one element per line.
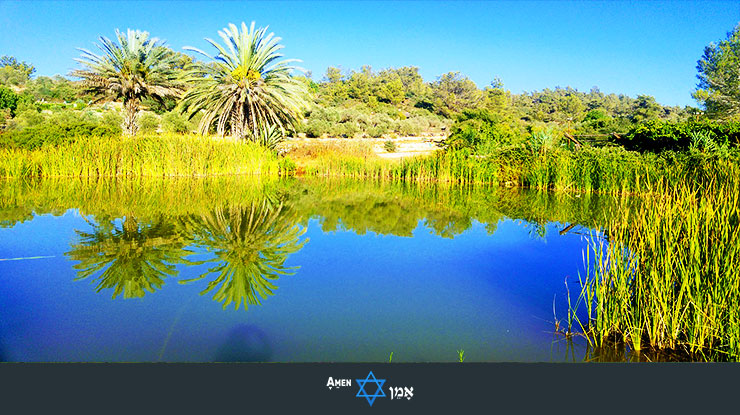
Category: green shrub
<point>597,122</point>
<point>48,134</point>
<point>390,111</point>
<point>348,130</point>
<point>364,121</point>
<point>437,122</point>
<point>389,146</point>
<point>8,99</point>
<point>65,117</point>
<point>658,135</point>
<point>383,119</point>
<point>317,127</point>
<point>194,123</point>
<point>351,129</point>
<point>4,116</point>
<point>377,131</point>
<point>359,118</point>
<point>330,114</point>
<point>421,112</point>
<point>423,122</point>
<point>26,102</point>
<point>27,118</point>
<point>336,130</point>
<point>350,115</point>
<point>148,122</point>
<point>111,119</point>
<point>174,122</point>
<point>409,127</point>
<point>482,131</point>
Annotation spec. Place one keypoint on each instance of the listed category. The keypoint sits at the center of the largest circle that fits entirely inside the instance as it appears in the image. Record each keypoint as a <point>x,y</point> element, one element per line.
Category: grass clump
<point>389,146</point>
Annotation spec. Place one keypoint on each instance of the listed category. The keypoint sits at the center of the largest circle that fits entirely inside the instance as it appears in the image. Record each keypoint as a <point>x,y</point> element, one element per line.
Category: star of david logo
<point>371,380</point>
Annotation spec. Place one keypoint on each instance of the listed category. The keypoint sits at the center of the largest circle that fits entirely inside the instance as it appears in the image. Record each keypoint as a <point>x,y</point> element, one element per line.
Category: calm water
<point>245,270</point>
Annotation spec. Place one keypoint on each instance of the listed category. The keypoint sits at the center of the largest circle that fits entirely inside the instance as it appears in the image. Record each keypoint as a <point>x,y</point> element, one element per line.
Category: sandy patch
<point>408,147</point>
<point>405,146</point>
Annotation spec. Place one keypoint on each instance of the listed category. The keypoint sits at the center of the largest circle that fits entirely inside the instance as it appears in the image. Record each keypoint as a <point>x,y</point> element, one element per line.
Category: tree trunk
<point>131,107</point>
<point>237,122</point>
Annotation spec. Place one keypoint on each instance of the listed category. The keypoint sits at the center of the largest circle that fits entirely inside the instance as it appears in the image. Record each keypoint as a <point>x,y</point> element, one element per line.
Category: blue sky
<point>619,46</point>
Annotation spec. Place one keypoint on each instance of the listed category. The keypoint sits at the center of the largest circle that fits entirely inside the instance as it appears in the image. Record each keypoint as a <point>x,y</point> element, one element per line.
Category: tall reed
<point>150,155</point>
<point>669,276</point>
<point>607,170</point>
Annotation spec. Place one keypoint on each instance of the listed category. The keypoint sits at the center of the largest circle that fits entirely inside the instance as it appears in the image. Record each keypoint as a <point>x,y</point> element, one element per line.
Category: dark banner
<point>369,388</point>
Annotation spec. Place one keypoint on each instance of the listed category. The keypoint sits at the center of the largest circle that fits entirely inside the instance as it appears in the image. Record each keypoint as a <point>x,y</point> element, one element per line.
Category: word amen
<point>338,383</point>
<point>398,392</point>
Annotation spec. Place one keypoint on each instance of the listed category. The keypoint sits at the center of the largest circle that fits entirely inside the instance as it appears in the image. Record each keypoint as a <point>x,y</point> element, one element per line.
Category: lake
<point>298,270</point>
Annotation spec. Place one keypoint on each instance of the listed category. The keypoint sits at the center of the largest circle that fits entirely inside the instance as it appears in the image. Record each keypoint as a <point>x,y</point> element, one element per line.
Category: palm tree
<point>251,244</point>
<point>135,68</point>
<point>134,257</point>
<point>245,87</point>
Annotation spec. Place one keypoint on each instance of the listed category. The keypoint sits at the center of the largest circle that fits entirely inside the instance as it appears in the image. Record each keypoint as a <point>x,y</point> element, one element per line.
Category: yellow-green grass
<point>148,155</point>
<point>605,170</point>
<point>592,169</point>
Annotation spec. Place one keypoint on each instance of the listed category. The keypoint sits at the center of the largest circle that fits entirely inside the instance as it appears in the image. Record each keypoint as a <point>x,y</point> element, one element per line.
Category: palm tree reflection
<point>250,244</point>
<point>136,257</point>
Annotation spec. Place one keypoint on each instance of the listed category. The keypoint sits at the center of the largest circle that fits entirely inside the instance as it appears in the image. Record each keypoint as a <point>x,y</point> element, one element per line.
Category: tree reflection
<point>250,244</point>
<point>135,257</point>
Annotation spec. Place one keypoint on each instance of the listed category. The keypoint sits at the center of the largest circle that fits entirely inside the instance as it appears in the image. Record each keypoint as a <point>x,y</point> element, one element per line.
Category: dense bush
<point>349,129</point>
<point>48,134</point>
<point>8,99</point>
<point>329,114</point>
<point>361,120</point>
<point>597,122</point>
<point>174,122</point>
<point>4,117</point>
<point>111,119</point>
<point>26,118</point>
<point>377,131</point>
<point>71,117</point>
<point>148,122</point>
<point>481,130</point>
<point>660,135</point>
<point>28,115</point>
<point>316,127</point>
<point>409,127</point>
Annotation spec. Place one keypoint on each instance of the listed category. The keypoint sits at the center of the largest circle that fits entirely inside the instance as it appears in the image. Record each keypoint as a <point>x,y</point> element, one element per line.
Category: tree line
<point>217,94</point>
